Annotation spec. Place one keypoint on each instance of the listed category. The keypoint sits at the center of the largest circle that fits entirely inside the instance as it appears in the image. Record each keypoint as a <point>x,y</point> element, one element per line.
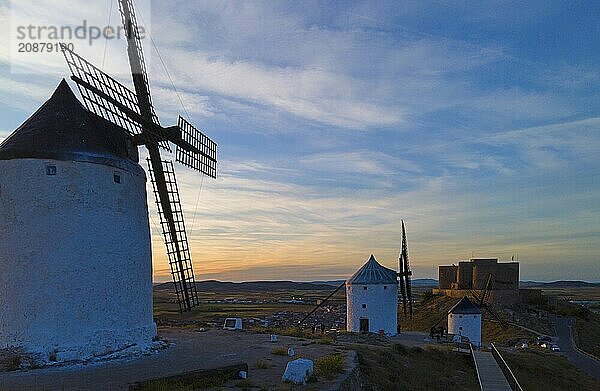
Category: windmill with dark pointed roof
<point>372,299</point>
<point>464,320</point>
<point>63,129</point>
<point>75,253</point>
<point>376,310</point>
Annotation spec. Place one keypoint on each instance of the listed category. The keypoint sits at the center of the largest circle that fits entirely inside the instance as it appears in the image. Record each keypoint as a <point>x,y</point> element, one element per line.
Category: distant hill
<point>261,286</point>
<point>335,283</point>
<point>431,282</point>
<point>252,286</point>
<point>415,282</point>
<point>558,284</point>
<point>425,282</point>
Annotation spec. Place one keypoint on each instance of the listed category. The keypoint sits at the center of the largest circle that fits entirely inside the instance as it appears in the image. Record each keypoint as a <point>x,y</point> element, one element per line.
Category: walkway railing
<point>510,376</point>
<point>476,368</point>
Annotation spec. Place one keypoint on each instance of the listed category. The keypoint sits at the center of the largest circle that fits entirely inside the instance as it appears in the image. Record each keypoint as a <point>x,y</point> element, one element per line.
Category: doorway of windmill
<point>364,325</point>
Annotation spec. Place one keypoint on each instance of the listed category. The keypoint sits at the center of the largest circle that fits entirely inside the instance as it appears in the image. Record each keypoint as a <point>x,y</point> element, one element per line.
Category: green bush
<point>427,296</point>
<point>329,366</point>
<point>279,351</point>
<point>571,310</point>
<point>326,340</point>
<point>262,364</point>
<point>294,332</point>
<point>182,385</point>
<point>12,363</point>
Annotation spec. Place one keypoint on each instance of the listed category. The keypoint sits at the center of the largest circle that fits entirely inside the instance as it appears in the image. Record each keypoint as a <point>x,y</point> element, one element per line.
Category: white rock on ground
<point>298,371</point>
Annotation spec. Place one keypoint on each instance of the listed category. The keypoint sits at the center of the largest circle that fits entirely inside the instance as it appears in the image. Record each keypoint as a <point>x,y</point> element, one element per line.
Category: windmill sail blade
<point>172,225</point>
<point>407,273</point>
<point>486,289</point>
<point>321,303</point>
<point>402,283</point>
<point>111,100</point>
<point>409,294</point>
<point>136,59</point>
<point>476,297</point>
<point>495,316</point>
<point>202,156</point>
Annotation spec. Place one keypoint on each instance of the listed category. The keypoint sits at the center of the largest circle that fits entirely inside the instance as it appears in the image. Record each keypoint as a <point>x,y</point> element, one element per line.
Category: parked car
<point>555,347</point>
<point>544,338</point>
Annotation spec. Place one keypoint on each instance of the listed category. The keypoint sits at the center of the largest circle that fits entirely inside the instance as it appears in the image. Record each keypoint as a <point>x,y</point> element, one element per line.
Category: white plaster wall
<point>471,326</point>
<point>382,307</point>
<point>75,259</point>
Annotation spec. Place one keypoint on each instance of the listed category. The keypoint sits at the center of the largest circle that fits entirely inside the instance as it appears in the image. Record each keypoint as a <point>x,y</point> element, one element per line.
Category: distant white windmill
<point>464,320</point>
<point>372,299</point>
<point>372,295</point>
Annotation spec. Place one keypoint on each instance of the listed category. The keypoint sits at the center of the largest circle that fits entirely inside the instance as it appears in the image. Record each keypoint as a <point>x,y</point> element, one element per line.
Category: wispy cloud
<point>336,120</point>
<point>314,94</point>
<point>358,162</point>
<point>21,94</point>
<point>551,145</point>
<point>521,105</point>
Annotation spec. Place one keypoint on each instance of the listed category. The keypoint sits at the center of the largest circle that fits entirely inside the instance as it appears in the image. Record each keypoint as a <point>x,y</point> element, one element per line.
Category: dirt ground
<point>189,350</point>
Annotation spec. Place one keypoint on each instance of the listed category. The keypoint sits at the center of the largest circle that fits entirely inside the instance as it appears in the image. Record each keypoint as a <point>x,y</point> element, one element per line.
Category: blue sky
<point>476,122</point>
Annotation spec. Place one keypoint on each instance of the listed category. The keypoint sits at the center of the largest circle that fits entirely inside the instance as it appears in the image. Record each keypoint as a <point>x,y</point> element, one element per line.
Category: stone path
<point>489,372</point>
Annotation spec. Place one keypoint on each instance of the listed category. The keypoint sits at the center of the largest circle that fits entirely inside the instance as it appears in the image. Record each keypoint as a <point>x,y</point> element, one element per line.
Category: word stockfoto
<point>83,32</point>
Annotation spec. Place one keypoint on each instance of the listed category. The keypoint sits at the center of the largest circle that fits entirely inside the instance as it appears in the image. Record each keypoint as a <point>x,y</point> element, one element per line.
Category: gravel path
<point>190,351</point>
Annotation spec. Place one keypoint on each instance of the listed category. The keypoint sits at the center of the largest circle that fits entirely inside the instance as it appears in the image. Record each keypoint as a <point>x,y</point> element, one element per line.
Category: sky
<point>477,123</point>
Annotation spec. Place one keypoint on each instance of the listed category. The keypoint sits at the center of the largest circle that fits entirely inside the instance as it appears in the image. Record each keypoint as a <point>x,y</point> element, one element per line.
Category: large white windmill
<point>75,255</point>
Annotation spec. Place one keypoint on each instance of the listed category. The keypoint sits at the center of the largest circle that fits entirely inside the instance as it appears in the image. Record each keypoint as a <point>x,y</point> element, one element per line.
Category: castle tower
<point>75,255</point>
<point>372,299</point>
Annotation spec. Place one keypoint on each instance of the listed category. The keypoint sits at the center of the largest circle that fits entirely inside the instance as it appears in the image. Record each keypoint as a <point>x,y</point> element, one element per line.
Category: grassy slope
<point>503,335</point>
<point>544,371</point>
<point>399,368</point>
<point>427,314</point>
<point>434,312</point>
<point>587,334</point>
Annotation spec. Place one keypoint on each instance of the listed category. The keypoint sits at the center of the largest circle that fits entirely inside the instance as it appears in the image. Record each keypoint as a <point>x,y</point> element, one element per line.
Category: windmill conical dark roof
<point>62,129</point>
<point>373,273</point>
<point>464,306</point>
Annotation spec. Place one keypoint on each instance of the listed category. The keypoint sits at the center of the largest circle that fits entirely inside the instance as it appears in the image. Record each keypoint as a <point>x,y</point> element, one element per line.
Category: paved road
<point>581,361</point>
<point>489,372</point>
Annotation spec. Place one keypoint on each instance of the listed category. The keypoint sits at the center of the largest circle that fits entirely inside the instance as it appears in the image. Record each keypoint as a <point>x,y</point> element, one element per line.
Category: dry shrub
<point>329,366</point>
